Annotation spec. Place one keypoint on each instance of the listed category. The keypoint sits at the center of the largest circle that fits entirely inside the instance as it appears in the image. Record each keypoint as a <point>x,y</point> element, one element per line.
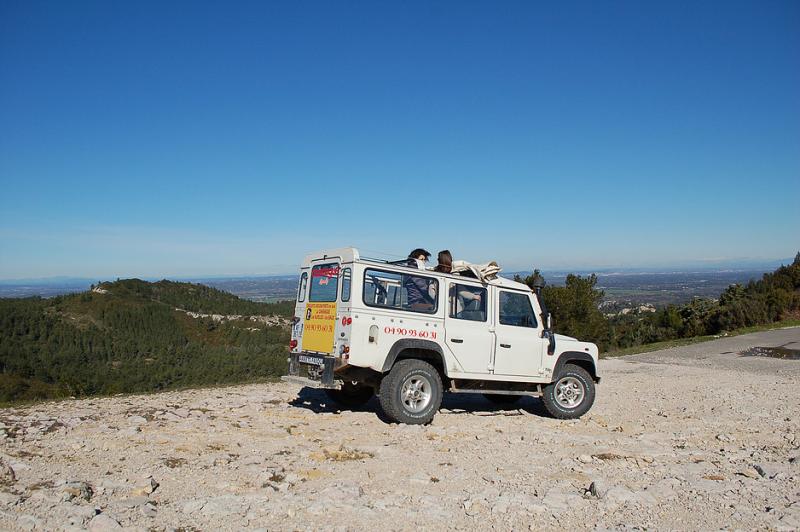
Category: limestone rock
<point>598,489</point>
<point>29,522</point>
<point>7,475</point>
<point>77,490</point>
<point>102,523</point>
<point>147,486</point>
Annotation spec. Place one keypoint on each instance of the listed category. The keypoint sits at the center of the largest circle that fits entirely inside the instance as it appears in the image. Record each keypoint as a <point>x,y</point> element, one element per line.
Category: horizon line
<point>686,267</point>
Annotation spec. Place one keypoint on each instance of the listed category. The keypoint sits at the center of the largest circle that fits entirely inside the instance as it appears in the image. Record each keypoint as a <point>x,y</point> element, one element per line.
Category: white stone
<point>102,522</point>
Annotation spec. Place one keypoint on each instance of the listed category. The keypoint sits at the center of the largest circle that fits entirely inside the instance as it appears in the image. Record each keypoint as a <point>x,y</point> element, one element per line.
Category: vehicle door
<point>300,308</point>
<point>467,328</point>
<point>518,343</point>
<point>319,322</point>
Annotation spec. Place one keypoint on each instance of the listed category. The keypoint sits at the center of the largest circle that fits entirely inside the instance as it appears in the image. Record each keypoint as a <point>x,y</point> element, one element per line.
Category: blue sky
<point>190,138</point>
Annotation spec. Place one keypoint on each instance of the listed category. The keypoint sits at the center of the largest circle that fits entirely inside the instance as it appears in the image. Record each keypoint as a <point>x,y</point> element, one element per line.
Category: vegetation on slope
<point>126,336</point>
<point>774,297</point>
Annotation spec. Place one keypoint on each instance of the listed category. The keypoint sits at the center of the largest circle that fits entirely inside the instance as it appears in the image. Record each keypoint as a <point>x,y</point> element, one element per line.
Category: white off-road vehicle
<point>364,326</point>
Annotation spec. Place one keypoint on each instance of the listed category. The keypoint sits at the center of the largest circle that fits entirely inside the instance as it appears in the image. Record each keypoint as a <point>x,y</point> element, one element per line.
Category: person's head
<point>445,261</point>
<point>419,254</point>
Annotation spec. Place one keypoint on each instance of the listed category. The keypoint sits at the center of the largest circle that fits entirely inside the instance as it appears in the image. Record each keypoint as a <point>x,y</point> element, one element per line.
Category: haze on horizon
<point>158,140</point>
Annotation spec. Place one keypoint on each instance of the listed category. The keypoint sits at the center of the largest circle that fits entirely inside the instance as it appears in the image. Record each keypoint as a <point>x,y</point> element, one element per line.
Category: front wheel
<point>351,395</point>
<point>411,393</point>
<point>571,395</point>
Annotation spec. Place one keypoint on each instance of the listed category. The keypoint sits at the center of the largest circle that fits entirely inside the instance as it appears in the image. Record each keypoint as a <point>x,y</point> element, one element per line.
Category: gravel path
<point>696,437</point>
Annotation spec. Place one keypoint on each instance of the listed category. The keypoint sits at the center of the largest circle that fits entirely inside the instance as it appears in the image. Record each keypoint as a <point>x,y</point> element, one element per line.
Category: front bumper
<point>314,371</point>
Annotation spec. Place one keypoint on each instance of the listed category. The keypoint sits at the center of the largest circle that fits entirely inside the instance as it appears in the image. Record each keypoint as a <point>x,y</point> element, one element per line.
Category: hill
<point>132,336</point>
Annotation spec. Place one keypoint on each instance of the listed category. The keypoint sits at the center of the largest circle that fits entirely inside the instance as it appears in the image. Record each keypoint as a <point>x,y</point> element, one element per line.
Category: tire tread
<point>392,382</point>
<point>559,412</point>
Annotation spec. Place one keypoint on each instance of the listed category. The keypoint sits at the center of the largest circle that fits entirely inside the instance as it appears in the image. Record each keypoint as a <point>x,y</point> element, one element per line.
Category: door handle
<point>505,345</point>
<point>457,340</point>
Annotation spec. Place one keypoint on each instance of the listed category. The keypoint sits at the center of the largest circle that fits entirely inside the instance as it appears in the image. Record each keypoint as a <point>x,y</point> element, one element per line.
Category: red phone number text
<point>410,332</point>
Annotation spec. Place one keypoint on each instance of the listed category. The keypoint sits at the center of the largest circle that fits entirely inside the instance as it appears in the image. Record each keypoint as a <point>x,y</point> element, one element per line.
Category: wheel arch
<point>578,358</point>
<point>426,350</point>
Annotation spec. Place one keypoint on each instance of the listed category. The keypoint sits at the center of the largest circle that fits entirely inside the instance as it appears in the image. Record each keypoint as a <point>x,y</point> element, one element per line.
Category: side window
<point>324,282</point>
<point>516,310</point>
<point>346,285</point>
<point>301,289</point>
<point>400,291</point>
<point>467,302</point>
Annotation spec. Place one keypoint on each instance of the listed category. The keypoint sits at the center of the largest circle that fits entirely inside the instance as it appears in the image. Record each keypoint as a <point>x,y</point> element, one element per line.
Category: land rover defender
<point>355,334</point>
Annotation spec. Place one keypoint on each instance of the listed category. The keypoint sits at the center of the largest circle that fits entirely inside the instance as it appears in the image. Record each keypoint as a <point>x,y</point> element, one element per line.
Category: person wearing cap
<point>420,291</point>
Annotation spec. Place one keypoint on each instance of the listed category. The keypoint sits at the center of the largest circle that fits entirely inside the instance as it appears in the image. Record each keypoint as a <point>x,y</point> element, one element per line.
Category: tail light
<point>349,321</point>
<point>293,344</point>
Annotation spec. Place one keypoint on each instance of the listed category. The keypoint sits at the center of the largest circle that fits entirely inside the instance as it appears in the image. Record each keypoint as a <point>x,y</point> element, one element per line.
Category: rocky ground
<point>688,438</point>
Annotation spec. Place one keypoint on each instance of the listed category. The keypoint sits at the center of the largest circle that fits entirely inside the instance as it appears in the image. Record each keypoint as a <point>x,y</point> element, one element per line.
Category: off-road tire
<point>351,395</point>
<point>501,399</point>
<point>577,378</point>
<point>392,393</point>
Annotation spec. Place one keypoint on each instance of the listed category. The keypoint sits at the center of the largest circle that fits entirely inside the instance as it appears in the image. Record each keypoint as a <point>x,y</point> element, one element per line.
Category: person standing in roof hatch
<point>445,262</point>
<point>420,291</point>
<point>418,258</point>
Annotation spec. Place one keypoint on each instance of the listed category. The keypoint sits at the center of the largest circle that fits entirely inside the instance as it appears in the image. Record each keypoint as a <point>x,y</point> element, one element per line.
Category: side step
<point>534,390</point>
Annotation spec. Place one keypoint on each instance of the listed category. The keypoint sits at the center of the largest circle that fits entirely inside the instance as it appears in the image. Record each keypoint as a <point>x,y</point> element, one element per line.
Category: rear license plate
<point>305,359</point>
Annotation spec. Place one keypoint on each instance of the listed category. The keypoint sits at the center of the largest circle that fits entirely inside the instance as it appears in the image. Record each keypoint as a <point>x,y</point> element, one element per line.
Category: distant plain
<point>622,289</point>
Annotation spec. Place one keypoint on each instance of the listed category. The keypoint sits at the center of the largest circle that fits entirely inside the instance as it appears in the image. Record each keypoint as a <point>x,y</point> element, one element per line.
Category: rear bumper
<point>312,370</point>
<point>309,383</point>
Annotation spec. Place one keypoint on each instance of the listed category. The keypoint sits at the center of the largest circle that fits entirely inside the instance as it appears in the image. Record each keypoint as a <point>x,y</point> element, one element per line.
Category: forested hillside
<point>127,336</point>
<point>774,297</point>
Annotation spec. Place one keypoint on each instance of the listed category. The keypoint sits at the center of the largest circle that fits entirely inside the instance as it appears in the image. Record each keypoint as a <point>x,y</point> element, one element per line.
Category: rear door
<point>519,346</point>
<point>467,328</point>
<point>319,322</point>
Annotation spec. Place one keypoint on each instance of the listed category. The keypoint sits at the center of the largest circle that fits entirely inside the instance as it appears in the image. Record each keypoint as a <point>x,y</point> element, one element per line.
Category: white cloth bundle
<point>484,272</point>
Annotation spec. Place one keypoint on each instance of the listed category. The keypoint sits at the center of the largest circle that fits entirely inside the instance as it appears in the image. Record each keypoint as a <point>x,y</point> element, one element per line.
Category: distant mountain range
<point>632,285</point>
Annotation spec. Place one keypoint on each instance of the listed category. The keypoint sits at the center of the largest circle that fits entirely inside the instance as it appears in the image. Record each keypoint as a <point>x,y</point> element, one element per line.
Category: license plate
<point>305,359</point>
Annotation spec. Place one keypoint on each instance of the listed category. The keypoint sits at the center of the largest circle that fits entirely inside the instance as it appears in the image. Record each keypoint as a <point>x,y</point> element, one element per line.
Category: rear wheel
<point>571,395</point>
<point>411,393</point>
<point>351,394</point>
<point>501,399</point>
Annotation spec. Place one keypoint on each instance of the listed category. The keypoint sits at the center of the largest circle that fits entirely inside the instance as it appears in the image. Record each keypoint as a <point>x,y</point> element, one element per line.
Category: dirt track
<point>686,438</point>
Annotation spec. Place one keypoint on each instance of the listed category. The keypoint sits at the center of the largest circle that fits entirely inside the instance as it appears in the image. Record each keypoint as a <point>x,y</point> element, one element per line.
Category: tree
<point>575,307</point>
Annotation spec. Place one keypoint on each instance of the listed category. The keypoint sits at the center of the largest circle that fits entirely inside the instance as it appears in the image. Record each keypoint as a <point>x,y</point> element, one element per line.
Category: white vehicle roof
<point>344,254</point>
<point>350,254</point>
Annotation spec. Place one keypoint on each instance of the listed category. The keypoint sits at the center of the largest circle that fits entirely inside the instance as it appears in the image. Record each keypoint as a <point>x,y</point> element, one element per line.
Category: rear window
<point>301,289</point>
<point>324,282</point>
<point>346,284</point>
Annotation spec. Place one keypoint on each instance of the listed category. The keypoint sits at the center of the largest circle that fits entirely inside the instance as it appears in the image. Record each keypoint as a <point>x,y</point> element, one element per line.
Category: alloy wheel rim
<point>416,393</point>
<point>569,392</point>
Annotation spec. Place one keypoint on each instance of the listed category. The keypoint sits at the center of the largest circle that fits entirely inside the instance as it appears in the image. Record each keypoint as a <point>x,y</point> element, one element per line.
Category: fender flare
<point>568,356</point>
<point>415,344</point>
